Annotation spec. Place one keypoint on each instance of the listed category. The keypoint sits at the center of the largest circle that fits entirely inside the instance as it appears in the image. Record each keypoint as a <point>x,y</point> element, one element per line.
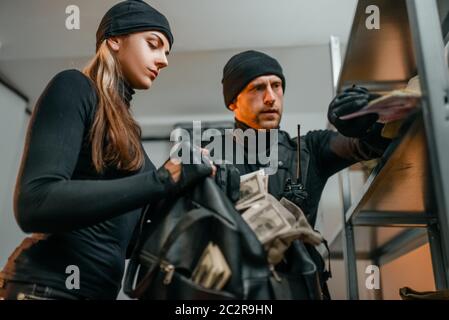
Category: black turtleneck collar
<point>243,126</point>
<point>240,125</point>
<point>126,91</point>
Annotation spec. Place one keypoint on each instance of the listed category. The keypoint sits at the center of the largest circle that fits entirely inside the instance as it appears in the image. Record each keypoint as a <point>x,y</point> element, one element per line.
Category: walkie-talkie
<point>295,190</point>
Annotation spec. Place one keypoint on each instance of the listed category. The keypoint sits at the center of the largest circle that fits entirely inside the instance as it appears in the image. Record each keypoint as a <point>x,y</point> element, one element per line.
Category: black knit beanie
<point>242,68</point>
<point>132,16</point>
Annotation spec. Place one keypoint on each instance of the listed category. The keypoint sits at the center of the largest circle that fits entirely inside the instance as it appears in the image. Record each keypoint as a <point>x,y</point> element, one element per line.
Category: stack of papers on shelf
<point>393,106</point>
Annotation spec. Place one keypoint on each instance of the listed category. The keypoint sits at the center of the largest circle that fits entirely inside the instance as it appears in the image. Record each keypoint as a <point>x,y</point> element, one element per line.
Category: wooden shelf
<point>379,59</point>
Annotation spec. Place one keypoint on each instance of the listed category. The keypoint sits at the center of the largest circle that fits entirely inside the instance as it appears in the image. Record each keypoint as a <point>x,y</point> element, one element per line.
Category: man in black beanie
<point>253,88</point>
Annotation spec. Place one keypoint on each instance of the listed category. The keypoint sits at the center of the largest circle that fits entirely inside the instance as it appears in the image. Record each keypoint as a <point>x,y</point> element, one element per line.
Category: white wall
<point>13,120</point>
<point>191,85</point>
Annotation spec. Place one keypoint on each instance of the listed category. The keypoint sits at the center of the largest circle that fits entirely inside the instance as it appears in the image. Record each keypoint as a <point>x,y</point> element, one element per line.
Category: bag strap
<point>179,229</point>
<point>133,263</point>
<point>130,276</point>
<point>327,274</point>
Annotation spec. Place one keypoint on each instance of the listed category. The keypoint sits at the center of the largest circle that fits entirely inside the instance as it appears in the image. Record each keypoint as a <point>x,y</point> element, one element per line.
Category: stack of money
<point>212,271</point>
<point>253,187</point>
<point>276,223</point>
<point>394,105</point>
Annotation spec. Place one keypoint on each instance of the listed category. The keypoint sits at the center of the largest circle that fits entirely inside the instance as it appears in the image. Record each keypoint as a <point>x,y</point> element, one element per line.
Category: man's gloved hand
<point>228,179</point>
<point>349,101</point>
<point>184,170</point>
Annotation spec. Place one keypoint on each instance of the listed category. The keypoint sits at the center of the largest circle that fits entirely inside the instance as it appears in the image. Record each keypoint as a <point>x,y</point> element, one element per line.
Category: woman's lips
<point>153,74</point>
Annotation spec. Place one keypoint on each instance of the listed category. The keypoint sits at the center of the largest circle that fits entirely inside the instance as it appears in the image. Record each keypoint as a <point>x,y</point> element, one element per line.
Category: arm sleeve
<point>46,199</point>
<point>334,152</point>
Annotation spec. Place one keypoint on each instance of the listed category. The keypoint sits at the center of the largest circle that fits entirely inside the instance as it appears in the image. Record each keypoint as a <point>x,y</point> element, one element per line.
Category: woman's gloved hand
<point>349,101</point>
<point>182,172</point>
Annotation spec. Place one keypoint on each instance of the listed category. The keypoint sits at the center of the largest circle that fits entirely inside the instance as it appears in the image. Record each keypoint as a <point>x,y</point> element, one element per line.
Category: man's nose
<point>269,96</point>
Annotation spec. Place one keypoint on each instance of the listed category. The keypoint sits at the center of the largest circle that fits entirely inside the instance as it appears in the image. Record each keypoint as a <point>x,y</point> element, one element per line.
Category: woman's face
<point>141,56</point>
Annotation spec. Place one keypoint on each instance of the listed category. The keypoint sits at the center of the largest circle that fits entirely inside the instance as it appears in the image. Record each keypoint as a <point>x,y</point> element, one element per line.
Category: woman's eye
<point>152,45</point>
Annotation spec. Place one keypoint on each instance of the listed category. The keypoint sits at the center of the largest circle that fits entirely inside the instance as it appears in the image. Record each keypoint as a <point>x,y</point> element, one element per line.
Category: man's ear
<point>232,106</point>
<point>114,43</point>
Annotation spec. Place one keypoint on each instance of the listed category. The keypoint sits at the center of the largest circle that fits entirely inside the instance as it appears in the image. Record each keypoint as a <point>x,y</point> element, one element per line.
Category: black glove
<point>228,179</point>
<point>349,101</point>
<point>195,166</point>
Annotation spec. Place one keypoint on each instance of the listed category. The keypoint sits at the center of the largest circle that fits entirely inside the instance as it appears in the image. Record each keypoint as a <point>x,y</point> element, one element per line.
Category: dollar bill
<point>301,226</point>
<point>212,271</point>
<point>289,216</point>
<point>252,188</point>
<point>276,223</point>
<point>266,221</point>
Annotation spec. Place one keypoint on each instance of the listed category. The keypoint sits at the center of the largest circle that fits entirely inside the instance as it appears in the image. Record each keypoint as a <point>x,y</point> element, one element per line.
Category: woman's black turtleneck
<point>126,91</point>
<point>88,218</point>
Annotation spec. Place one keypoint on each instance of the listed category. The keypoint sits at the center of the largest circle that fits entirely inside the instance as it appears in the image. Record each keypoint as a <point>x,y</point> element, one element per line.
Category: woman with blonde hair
<point>85,177</point>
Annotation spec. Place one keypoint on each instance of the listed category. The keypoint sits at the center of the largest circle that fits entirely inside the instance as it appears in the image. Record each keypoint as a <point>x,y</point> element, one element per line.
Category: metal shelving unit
<point>409,188</point>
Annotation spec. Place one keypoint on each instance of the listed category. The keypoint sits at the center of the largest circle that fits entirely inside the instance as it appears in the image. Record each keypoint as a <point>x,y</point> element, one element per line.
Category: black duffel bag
<point>171,244</point>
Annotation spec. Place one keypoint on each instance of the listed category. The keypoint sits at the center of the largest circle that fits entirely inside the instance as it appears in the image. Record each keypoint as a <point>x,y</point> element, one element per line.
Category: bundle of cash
<point>212,271</point>
<point>266,220</point>
<point>393,106</point>
<point>270,219</point>
<point>276,223</point>
<point>253,187</point>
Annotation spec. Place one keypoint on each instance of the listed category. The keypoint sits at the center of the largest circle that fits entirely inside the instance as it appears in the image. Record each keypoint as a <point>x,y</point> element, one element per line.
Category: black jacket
<point>323,153</point>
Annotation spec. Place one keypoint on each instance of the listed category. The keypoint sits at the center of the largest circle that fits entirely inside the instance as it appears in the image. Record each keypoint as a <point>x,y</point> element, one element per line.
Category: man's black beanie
<point>242,68</point>
<point>132,16</point>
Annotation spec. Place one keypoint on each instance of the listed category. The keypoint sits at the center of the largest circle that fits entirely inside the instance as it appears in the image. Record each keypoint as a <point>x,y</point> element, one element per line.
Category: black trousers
<point>14,290</point>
